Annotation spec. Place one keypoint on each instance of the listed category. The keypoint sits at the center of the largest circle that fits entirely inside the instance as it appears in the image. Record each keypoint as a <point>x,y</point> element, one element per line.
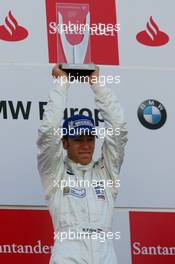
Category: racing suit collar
<point>77,166</point>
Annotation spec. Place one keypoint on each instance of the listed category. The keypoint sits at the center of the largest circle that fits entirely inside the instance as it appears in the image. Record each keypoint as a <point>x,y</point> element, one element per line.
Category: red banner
<point>103,39</point>
<point>152,237</point>
<point>26,236</point>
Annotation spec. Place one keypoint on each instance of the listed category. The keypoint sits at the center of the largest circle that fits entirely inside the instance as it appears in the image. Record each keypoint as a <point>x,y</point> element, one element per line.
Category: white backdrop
<point>133,16</point>
<point>148,169</point>
<point>31,16</point>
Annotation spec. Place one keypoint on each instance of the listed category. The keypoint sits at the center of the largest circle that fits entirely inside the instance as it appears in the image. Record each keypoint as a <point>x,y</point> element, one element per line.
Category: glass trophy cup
<point>73,43</point>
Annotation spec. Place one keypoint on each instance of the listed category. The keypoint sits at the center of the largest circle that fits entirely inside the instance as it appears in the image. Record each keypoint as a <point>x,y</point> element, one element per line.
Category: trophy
<point>73,45</point>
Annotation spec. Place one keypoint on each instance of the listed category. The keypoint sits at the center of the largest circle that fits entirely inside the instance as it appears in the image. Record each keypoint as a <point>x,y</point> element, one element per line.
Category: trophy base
<point>77,71</point>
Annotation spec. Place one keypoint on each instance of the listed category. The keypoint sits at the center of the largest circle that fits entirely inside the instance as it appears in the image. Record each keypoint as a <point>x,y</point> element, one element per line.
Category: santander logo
<point>152,36</point>
<point>11,30</point>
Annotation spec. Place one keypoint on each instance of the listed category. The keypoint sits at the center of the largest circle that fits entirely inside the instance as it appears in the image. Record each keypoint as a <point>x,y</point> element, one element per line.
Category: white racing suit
<point>86,210</point>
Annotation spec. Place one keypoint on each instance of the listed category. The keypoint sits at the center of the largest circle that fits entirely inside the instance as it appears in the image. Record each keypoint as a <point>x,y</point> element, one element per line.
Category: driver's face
<point>80,149</point>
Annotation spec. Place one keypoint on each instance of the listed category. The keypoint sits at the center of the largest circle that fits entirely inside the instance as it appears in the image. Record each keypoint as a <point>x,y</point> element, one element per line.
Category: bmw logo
<point>152,114</point>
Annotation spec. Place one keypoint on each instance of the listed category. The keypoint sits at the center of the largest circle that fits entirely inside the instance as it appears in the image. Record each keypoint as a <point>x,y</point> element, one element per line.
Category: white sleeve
<point>50,150</point>
<point>113,145</point>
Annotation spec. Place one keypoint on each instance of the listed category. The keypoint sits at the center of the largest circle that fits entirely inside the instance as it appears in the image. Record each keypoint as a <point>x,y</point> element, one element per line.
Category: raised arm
<point>50,151</point>
<point>113,145</point>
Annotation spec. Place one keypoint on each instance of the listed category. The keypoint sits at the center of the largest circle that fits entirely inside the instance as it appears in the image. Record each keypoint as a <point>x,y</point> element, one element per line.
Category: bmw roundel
<point>152,114</point>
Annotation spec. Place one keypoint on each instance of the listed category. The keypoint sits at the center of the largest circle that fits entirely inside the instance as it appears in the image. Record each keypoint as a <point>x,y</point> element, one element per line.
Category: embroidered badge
<point>74,192</point>
<point>99,190</point>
